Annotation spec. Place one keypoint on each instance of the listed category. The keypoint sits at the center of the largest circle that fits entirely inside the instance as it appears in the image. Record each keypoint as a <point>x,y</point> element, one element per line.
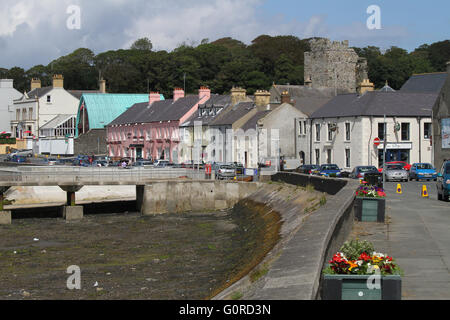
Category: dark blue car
<point>329,170</point>
<point>443,182</point>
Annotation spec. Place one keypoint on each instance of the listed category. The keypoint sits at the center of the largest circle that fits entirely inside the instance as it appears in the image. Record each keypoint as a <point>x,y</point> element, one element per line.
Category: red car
<point>406,165</point>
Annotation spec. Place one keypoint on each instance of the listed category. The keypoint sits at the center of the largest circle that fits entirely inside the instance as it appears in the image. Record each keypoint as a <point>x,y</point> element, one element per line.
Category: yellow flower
<point>352,265</point>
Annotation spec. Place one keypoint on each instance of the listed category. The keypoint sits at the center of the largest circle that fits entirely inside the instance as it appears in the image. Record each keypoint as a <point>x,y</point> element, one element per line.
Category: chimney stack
<point>58,81</point>
<point>153,96</point>
<point>35,84</point>
<point>262,98</point>
<point>102,85</point>
<point>204,94</point>
<point>177,94</point>
<point>285,97</point>
<point>237,95</point>
<point>365,86</point>
<point>6,83</point>
<point>448,67</point>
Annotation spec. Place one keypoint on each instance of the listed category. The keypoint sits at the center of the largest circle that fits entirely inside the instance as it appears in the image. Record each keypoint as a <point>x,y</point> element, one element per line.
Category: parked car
<point>307,168</point>
<point>225,172</point>
<point>359,171</point>
<point>18,159</point>
<point>161,163</point>
<point>422,171</point>
<point>141,163</point>
<point>443,182</point>
<point>239,167</point>
<point>23,152</point>
<point>396,172</point>
<point>329,170</point>
<point>405,165</point>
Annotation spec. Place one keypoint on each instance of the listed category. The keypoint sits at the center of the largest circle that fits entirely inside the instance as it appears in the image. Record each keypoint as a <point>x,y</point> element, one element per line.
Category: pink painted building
<point>150,130</point>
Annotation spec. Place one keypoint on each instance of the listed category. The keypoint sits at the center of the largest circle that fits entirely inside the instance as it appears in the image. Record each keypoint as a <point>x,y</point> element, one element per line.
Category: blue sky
<point>35,31</point>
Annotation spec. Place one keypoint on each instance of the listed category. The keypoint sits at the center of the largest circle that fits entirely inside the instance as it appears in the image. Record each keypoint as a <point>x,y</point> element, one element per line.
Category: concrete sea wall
<point>180,196</point>
<point>293,268</point>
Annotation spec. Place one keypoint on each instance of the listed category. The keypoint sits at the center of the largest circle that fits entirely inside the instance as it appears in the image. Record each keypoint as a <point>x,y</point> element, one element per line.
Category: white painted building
<point>7,95</point>
<point>39,106</point>
<point>343,130</point>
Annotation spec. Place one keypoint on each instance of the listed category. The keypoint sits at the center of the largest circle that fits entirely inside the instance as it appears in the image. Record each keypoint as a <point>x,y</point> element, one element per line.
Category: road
<point>417,237</point>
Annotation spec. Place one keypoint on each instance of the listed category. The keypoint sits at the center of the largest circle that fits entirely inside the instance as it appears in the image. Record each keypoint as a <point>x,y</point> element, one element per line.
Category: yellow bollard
<point>399,188</point>
<point>424,191</point>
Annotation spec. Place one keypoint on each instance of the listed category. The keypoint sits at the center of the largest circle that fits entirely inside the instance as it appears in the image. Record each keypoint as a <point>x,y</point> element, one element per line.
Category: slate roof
<point>309,105</point>
<point>216,100</point>
<point>233,113</point>
<point>376,103</point>
<point>251,123</point>
<point>102,108</point>
<point>39,92</point>
<point>164,110</point>
<point>428,82</point>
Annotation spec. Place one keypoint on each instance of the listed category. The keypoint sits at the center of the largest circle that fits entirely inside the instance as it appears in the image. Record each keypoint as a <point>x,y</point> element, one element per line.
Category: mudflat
<point>129,256</point>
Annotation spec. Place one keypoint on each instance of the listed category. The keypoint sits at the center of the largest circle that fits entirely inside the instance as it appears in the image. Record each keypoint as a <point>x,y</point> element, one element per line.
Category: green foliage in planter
<point>354,248</point>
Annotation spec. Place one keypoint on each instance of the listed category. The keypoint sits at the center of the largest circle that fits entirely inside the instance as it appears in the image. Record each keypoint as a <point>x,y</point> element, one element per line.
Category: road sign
<point>376,141</point>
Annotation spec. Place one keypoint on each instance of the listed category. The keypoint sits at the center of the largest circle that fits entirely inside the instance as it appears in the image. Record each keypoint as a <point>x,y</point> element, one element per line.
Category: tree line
<point>219,65</point>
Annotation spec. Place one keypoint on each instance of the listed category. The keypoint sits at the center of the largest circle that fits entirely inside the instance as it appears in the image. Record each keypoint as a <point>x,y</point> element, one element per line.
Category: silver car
<point>225,172</point>
<point>395,172</point>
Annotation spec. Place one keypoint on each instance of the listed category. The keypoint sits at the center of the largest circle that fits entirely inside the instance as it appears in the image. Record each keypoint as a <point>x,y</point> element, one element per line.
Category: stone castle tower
<point>334,65</point>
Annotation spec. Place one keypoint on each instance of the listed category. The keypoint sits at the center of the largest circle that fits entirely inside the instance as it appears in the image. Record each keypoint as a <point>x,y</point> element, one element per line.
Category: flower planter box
<point>370,209</point>
<point>354,287</point>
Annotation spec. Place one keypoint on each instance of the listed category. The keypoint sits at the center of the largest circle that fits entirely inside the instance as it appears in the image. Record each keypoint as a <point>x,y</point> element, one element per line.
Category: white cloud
<point>34,31</point>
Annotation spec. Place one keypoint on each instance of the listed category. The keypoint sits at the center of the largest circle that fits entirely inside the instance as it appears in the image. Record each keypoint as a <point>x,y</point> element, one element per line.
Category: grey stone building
<point>441,123</point>
<point>334,65</point>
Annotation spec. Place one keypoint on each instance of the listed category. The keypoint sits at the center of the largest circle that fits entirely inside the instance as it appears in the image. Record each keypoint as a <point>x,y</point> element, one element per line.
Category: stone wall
<point>171,197</point>
<point>92,142</point>
<point>334,64</point>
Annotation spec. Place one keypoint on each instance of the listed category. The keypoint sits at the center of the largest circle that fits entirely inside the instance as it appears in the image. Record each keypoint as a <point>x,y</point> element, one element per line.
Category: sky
<point>35,32</point>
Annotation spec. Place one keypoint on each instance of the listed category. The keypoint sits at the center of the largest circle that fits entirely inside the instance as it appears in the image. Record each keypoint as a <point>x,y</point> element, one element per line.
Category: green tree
<point>21,82</point>
<point>142,44</point>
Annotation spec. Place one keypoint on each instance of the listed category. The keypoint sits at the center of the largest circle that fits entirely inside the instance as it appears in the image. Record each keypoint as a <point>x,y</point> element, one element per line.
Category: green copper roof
<point>102,108</point>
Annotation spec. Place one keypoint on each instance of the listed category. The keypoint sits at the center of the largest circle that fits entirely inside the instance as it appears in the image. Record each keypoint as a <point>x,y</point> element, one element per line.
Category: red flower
<point>364,256</point>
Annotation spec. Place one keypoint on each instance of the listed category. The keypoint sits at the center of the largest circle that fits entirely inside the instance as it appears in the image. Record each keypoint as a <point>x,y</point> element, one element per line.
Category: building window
<point>318,156</point>
<point>347,131</point>
<point>317,131</point>
<point>381,131</point>
<point>300,127</point>
<point>24,114</point>
<point>304,127</point>
<point>405,131</point>
<point>17,114</point>
<point>49,98</point>
<point>347,158</point>
<point>30,114</point>
<point>330,132</point>
<point>427,130</point>
<point>329,156</point>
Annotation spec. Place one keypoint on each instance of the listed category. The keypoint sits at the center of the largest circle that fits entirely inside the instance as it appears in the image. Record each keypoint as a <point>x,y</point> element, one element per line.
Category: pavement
<point>416,234</point>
